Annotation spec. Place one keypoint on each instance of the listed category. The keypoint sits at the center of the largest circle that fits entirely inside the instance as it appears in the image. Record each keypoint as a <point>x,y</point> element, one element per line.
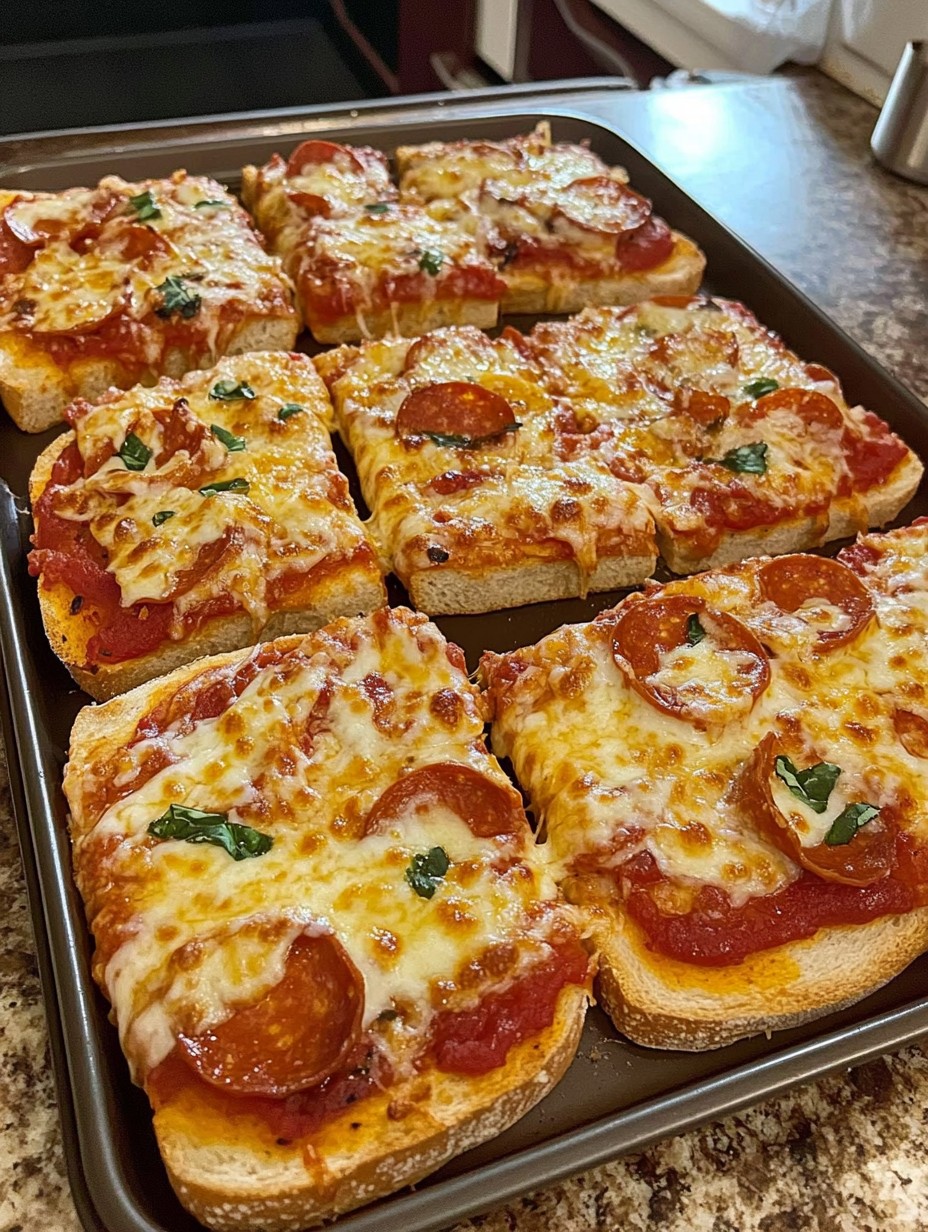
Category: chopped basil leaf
<point>230,391</point>
<point>290,408</point>
<point>763,385</point>
<point>144,206</point>
<point>234,444</point>
<point>377,207</point>
<point>452,440</point>
<point>194,826</point>
<point>746,459</point>
<point>812,786</point>
<point>694,630</point>
<point>161,517</point>
<point>425,872</point>
<point>220,205</point>
<point>134,453</point>
<point>225,485</point>
<point>177,297</point>
<point>847,823</point>
<point>431,261</point>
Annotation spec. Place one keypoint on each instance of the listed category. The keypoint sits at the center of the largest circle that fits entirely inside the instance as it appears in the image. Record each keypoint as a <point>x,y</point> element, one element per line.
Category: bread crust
<point>407,320</point>
<point>680,274</point>
<point>661,1003</point>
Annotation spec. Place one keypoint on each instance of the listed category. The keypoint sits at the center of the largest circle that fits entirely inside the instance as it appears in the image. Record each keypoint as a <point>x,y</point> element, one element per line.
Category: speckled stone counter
<point>786,164</point>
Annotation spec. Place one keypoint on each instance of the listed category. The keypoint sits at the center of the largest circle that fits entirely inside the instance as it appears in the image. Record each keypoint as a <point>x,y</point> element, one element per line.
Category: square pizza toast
<point>521,225</point>
<point>192,517</point>
<point>730,772</point>
<point>532,467</point>
<point>125,283</point>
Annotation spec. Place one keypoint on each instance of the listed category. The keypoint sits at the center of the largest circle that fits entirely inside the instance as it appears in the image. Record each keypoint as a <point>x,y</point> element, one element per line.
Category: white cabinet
<point>866,38</point>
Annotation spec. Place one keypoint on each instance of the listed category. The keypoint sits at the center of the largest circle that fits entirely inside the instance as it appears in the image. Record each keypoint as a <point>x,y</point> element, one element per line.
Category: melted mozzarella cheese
<point>210,933</point>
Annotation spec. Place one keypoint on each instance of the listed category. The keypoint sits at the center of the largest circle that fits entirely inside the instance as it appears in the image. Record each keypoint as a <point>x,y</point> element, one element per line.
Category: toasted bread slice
<point>406,320</point>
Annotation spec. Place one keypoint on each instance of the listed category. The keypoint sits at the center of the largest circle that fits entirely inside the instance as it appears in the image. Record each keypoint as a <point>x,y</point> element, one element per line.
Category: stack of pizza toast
<point>337,950</point>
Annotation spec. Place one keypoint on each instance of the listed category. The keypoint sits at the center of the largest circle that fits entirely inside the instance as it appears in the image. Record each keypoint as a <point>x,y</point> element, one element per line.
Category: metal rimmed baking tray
<point>616,1097</point>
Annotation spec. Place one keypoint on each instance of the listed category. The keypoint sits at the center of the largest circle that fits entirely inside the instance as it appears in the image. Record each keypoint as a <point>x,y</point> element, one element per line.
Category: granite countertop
<point>785,163</point>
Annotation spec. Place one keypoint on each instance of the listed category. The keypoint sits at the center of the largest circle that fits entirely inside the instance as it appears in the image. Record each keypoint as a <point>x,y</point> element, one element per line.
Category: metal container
<point>615,1097</point>
<point>900,139</point>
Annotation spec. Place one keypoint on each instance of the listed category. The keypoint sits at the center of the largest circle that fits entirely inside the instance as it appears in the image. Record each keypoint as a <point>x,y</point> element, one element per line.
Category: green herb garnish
<point>847,823</point>
<point>812,786</point>
<point>144,206</point>
<point>430,261</point>
<point>234,444</point>
<point>194,826</point>
<point>161,517</point>
<point>225,485</point>
<point>452,440</point>
<point>231,391</point>
<point>746,459</point>
<point>763,385</point>
<point>425,872</point>
<point>694,630</point>
<point>377,207</point>
<point>134,453</point>
<point>220,205</point>
<point>290,408</point>
<point>177,297</point>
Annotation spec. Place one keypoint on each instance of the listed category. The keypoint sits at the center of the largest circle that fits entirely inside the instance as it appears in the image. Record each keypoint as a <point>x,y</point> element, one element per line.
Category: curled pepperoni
<point>792,581</point>
<point>649,629</point>
<point>457,408</point>
<point>651,244</point>
<point>599,203</point>
<point>807,404</point>
<point>15,255</point>
<point>867,858</point>
<point>818,372</point>
<point>296,1036</point>
<point>313,153</point>
<point>912,731</point>
<point>309,203</point>
<point>486,806</point>
<point>704,408</point>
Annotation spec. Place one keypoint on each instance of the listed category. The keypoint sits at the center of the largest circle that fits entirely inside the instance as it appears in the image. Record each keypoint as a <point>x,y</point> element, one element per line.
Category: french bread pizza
<point>128,282</point>
<point>475,228</point>
<point>188,517</point>
<point>566,230</point>
<point>456,443</point>
<point>731,773</point>
<point>334,955</point>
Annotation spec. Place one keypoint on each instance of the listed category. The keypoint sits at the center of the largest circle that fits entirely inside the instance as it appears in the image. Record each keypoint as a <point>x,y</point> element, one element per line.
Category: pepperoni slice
<point>457,408</point>
<point>15,255</point>
<point>313,153</point>
<point>650,629</point>
<point>807,404</point>
<point>599,203</point>
<point>912,731</point>
<point>296,1036</point>
<point>866,859</point>
<point>488,807</point>
<point>704,407</point>
<point>650,245</point>
<point>309,203</point>
<point>790,582</point>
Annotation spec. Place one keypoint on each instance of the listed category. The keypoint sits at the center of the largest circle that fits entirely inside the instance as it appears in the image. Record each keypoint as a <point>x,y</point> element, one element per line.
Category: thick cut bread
<point>125,283</point>
<point>233,1175</point>
<point>405,320</point>
<point>661,1003</point>
<point>345,581</point>
<point>539,292</point>
<point>701,758</point>
<point>319,743</point>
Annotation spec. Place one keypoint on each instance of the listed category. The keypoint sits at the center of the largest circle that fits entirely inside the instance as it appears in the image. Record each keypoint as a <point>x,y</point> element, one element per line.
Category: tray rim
<point>570,1152</point>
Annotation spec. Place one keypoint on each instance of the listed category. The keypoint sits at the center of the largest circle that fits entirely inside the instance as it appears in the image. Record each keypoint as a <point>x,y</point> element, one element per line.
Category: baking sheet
<point>616,1097</point>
